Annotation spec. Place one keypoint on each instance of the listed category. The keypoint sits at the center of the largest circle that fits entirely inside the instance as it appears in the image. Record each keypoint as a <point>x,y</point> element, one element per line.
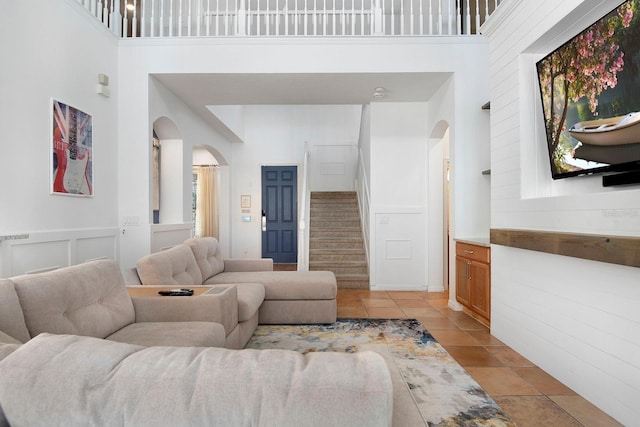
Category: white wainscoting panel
<point>165,236</point>
<point>48,250</point>
<point>400,250</point>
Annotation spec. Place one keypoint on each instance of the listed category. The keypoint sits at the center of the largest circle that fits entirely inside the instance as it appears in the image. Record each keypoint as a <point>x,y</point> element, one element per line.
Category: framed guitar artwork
<point>71,151</point>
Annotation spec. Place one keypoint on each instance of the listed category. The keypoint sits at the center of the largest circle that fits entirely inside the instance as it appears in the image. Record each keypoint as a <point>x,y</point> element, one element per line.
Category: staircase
<point>335,238</point>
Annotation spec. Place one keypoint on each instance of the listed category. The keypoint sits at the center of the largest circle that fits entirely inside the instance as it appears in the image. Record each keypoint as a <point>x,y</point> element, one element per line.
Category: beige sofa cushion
<point>178,334</point>
<point>104,383</point>
<point>85,299</point>
<point>8,345</point>
<point>208,255</point>
<point>11,317</point>
<point>286,285</point>
<point>175,266</point>
<point>250,298</point>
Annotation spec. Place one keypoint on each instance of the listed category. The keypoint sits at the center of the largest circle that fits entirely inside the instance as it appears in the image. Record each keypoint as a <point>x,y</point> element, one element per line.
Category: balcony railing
<point>270,18</point>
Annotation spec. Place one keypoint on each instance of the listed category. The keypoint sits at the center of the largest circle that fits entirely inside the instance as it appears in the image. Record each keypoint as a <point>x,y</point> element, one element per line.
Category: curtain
<point>207,202</point>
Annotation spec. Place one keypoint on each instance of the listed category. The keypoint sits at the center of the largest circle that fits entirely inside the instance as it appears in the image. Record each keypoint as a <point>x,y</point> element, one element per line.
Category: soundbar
<point>627,178</point>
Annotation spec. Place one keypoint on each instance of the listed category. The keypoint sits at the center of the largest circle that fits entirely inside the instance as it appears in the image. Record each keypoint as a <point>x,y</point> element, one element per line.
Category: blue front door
<point>280,207</point>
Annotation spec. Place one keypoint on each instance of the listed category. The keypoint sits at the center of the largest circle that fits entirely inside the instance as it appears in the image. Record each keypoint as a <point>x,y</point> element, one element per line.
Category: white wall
<point>575,318</point>
<point>399,140</point>
<point>43,59</point>
<point>152,102</point>
<point>276,135</point>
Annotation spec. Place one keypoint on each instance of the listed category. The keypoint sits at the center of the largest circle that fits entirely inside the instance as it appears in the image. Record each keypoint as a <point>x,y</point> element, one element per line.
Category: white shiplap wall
<point>576,319</point>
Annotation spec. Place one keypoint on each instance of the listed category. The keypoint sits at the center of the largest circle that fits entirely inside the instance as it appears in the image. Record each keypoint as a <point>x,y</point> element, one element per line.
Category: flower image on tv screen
<point>590,93</point>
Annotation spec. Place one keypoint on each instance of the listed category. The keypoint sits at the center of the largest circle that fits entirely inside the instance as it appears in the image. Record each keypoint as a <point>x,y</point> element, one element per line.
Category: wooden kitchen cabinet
<point>473,279</point>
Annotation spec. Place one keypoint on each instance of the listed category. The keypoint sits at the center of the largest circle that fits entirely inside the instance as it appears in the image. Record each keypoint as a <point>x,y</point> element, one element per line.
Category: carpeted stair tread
<point>335,238</point>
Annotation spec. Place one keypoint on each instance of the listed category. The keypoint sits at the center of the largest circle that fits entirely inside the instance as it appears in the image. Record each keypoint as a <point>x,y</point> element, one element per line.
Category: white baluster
<point>134,19</point>
<point>276,31</point>
<point>449,18</point>
<point>180,20</point>
<point>353,17</point>
<point>421,16</point>
<point>170,18</point>
<point>92,7</point>
<point>467,18</point>
<point>477,17</point>
<point>226,17</point>
<point>486,10</point>
<point>430,17</point>
<point>392,17</point>
<point>362,17</point>
<point>439,22</point>
<point>295,17</point>
<point>105,14</point>
<point>125,23</point>
<point>315,17</point>
<point>199,19</point>
<point>402,17</point>
<point>189,17</point>
<point>217,21</point>
<point>161,19</point>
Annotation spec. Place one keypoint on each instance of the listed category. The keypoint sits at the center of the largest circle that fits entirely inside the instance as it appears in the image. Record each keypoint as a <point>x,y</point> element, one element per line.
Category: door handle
<point>264,221</point>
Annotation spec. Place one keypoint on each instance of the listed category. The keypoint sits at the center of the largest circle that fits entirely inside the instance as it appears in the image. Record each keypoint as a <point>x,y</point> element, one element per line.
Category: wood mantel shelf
<point>611,249</point>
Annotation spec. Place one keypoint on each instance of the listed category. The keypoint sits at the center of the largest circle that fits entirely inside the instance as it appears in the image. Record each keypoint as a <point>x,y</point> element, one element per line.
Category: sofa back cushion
<point>108,383</point>
<point>208,255</point>
<point>11,317</point>
<point>87,299</point>
<point>175,266</point>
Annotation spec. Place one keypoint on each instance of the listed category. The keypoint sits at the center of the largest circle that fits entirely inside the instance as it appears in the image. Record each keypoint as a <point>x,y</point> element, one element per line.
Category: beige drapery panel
<point>207,202</point>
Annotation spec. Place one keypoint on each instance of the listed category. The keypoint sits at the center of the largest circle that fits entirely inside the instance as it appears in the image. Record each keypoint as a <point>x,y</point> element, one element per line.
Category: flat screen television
<point>590,93</point>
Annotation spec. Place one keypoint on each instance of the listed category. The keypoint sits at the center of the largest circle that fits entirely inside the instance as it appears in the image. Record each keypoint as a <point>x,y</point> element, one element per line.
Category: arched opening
<point>439,215</point>
<point>205,205</point>
<point>167,173</point>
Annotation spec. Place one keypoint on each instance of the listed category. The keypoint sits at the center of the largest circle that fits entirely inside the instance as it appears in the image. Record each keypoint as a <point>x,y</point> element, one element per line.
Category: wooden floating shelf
<point>611,249</point>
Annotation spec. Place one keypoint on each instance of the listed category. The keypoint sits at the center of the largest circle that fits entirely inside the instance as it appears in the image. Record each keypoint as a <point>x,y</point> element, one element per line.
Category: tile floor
<point>527,393</point>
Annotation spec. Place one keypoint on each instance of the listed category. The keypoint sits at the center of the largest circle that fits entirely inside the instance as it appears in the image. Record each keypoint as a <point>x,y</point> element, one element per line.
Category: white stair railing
<point>304,212</point>
<point>274,18</point>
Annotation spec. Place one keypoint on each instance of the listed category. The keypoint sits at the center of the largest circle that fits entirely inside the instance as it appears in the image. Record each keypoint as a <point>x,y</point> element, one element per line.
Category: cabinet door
<point>462,281</point>
<point>480,289</point>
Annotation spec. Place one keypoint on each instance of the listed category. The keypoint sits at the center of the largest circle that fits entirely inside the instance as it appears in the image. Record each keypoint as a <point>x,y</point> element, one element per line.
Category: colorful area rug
<point>445,394</point>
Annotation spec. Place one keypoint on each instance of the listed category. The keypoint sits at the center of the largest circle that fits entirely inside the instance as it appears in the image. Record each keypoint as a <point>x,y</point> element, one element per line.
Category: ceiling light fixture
<point>130,6</point>
<point>379,92</point>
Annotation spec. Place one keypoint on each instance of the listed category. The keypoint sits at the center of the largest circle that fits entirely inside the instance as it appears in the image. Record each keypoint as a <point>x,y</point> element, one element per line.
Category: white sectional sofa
<point>77,350</point>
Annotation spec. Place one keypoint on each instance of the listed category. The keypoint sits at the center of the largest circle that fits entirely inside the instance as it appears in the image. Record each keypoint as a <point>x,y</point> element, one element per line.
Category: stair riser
<point>353,284</point>
<point>330,225</point>
<point>333,195</point>
<point>337,257</point>
<point>341,270</point>
<point>336,234</point>
<point>333,213</point>
<point>334,245</point>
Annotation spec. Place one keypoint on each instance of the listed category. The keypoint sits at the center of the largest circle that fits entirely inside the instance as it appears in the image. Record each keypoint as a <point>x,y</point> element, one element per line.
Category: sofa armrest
<point>218,308</point>
<point>247,264</point>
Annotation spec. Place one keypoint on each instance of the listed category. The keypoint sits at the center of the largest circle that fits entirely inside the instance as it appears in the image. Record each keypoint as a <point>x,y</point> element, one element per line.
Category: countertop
<point>480,241</point>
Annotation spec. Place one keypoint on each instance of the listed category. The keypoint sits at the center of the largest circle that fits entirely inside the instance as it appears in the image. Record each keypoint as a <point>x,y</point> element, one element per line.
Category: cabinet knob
<point>467,251</point>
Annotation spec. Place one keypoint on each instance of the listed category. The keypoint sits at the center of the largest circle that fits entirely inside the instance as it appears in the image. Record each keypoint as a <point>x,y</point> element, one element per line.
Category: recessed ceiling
<point>306,89</point>
<point>201,90</point>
